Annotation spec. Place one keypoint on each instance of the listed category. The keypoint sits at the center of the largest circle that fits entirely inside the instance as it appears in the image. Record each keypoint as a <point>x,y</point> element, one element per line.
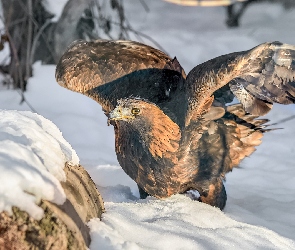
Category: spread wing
<point>212,147</point>
<point>107,71</point>
<point>258,78</point>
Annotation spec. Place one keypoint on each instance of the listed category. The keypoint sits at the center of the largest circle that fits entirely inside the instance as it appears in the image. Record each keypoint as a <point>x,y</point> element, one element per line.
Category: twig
<point>140,34</point>
<point>100,17</point>
<point>29,41</point>
<point>12,23</point>
<point>143,3</point>
<point>36,38</point>
<point>23,99</point>
<point>149,38</point>
<point>14,52</point>
<point>284,120</point>
<point>34,21</point>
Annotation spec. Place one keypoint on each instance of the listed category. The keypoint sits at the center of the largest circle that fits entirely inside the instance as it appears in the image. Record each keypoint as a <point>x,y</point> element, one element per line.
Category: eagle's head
<point>132,110</point>
<point>127,110</point>
<point>157,131</point>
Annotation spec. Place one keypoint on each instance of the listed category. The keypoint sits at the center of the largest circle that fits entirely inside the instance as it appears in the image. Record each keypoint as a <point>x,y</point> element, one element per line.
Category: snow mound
<point>177,223</point>
<point>32,156</point>
<point>54,7</point>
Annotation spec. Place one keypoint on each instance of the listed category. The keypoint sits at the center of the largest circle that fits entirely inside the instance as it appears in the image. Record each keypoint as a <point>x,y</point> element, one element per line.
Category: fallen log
<point>62,226</point>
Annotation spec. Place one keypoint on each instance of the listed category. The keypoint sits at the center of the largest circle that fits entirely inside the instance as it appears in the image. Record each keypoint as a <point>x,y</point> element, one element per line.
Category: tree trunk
<point>22,20</point>
<point>33,37</point>
<point>62,227</point>
<point>66,28</point>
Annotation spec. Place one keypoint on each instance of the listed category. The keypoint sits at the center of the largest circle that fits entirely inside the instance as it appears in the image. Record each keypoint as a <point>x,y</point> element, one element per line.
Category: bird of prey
<point>175,133</point>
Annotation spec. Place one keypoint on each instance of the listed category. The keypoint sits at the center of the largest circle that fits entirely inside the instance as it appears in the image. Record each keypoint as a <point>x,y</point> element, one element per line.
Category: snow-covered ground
<point>32,156</point>
<point>261,194</point>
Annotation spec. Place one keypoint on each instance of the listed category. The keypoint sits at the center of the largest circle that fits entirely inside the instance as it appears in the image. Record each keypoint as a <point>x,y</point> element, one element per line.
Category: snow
<point>54,7</point>
<point>32,156</point>
<point>178,223</point>
<point>261,194</point>
<point>5,58</point>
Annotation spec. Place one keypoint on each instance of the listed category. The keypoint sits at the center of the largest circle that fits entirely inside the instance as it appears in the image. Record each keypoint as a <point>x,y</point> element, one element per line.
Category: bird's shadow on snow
<point>118,193</point>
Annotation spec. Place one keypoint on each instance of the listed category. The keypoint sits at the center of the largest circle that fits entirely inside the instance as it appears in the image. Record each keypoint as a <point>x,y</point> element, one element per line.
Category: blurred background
<point>33,30</point>
<point>35,33</point>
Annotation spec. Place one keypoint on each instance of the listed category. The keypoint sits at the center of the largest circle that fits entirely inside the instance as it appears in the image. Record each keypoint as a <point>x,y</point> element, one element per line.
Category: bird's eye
<point>135,111</point>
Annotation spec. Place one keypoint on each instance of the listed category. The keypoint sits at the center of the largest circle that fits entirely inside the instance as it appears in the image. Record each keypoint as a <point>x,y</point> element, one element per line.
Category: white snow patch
<point>54,7</point>
<point>261,193</point>
<point>177,223</point>
<point>32,156</point>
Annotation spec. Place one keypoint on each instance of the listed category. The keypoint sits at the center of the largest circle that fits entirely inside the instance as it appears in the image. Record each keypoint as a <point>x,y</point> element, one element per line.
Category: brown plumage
<point>176,133</point>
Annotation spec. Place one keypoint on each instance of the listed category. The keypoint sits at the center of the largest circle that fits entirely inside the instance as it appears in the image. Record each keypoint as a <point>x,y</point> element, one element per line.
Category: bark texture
<point>62,227</point>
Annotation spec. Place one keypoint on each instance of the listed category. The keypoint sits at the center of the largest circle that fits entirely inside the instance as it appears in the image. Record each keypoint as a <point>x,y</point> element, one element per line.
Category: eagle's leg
<point>214,194</point>
<point>143,194</point>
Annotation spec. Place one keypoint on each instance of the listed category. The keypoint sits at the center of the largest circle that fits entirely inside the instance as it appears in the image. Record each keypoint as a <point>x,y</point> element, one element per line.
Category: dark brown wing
<point>258,77</point>
<point>214,146</point>
<point>107,71</point>
<point>211,148</point>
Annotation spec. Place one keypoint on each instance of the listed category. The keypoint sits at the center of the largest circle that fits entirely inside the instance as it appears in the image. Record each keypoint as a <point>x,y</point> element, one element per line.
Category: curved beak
<point>115,114</point>
<point>119,113</point>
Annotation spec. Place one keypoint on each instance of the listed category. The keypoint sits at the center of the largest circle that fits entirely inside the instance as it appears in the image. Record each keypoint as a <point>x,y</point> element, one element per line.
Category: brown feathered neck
<point>158,132</point>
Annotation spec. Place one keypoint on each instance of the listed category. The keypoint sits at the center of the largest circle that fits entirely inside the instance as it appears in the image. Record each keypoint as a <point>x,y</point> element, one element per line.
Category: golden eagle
<point>173,132</point>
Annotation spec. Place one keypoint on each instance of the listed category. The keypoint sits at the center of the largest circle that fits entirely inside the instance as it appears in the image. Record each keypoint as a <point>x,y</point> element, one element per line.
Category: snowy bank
<point>261,193</point>
<point>177,223</point>
<point>32,156</point>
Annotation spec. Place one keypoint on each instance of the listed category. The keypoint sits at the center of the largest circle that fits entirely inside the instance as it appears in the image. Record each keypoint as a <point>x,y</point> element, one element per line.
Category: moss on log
<point>62,227</point>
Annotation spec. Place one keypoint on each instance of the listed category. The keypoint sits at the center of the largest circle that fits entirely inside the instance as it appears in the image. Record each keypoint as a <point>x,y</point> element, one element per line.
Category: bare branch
<point>29,40</point>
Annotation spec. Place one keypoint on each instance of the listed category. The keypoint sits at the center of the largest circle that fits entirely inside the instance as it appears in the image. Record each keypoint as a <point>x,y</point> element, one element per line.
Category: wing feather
<point>107,71</point>
<point>258,78</point>
<point>243,133</point>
